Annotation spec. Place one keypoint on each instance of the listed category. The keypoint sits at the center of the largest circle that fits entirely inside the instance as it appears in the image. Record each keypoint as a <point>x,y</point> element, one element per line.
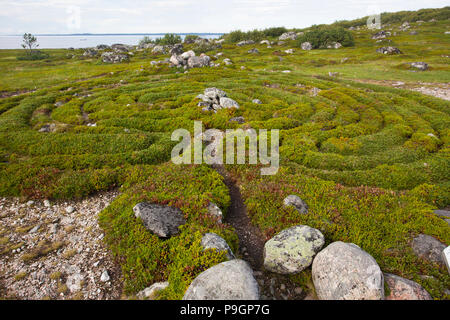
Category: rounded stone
<point>404,289</point>
<point>292,250</point>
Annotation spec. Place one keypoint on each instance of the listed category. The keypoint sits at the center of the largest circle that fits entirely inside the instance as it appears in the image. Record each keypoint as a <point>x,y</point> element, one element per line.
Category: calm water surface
<point>82,41</point>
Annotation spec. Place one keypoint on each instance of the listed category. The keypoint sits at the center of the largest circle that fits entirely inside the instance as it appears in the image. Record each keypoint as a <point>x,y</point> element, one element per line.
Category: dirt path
<point>438,90</point>
<point>272,286</point>
<point>250,237</point>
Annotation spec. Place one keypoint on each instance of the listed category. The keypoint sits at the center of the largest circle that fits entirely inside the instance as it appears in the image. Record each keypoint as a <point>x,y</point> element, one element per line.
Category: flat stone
<point>214,241</point>
<point>230,280</point>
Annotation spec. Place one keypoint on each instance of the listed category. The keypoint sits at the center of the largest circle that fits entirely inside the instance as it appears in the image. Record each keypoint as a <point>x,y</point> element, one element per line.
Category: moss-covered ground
<point>372,162</point>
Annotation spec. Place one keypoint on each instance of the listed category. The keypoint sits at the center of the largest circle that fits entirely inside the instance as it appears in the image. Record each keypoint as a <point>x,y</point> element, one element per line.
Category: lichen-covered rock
<point>151,293</point>
<point>230,280</point>
<point>297,203</point>
<point>292,250</point>
<point>343,271</point>
<point>161,220</point>
<point>404,289</point>
<point>214,241</point>
<point>428,248</point>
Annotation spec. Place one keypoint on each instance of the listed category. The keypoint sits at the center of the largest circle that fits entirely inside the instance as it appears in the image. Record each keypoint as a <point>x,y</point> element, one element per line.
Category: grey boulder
<point>292,250</point>
<point>161,220</point>
<point>343,271</point>
<point>230,280</point>
<point>306,46</point>
<point>422,66</point>
<point>151,293</point>
<point>428,248</point>
<point>297,203</point>
<point>215,211</point>
<point>214,241</point>
<point>288,36</point>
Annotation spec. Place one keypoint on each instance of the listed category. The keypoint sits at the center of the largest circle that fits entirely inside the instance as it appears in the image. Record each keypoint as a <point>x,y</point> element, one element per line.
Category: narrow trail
<point>250,237</point>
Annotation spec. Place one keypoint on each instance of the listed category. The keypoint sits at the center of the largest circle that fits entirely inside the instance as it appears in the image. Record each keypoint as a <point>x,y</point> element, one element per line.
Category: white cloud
<point>155,16</point>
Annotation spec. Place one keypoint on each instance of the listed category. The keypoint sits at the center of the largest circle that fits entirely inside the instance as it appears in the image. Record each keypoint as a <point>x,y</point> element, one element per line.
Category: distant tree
<point>29,42</point>
<point>168,39</point>
<point>145,41</point>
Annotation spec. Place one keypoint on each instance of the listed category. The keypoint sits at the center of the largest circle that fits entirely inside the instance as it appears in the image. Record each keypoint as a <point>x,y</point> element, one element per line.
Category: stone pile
<point>214,99</point>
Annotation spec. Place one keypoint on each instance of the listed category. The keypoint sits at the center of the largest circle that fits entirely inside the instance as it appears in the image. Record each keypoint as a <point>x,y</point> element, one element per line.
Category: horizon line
<point>119,34</point>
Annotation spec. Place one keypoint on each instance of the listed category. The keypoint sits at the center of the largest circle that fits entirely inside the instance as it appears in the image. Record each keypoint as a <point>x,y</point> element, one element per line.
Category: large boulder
<point>288,36</point>
<point>161,220</point>
<point>198,62</point>
<point>343,271</point>
<point>404,289</point>
<point>214,241</point>
<point>428,248</point>
<point>381,35</point>
<point>297,203</point>
<point>230,280</point>
<point>292,250</point>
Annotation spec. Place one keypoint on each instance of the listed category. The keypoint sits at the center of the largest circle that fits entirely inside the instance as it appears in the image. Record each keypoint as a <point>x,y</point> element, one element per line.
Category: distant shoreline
<point>110,34</point>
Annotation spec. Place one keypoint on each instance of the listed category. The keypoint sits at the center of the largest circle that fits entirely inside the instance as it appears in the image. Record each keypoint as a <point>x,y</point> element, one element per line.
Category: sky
<point>184,16</point>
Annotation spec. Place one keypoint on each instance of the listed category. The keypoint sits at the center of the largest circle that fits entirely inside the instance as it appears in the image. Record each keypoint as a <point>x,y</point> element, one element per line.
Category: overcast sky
<point>161,16</point>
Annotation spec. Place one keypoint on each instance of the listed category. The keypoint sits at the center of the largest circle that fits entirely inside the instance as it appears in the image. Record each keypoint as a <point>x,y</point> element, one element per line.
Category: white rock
<point>105,276</point>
